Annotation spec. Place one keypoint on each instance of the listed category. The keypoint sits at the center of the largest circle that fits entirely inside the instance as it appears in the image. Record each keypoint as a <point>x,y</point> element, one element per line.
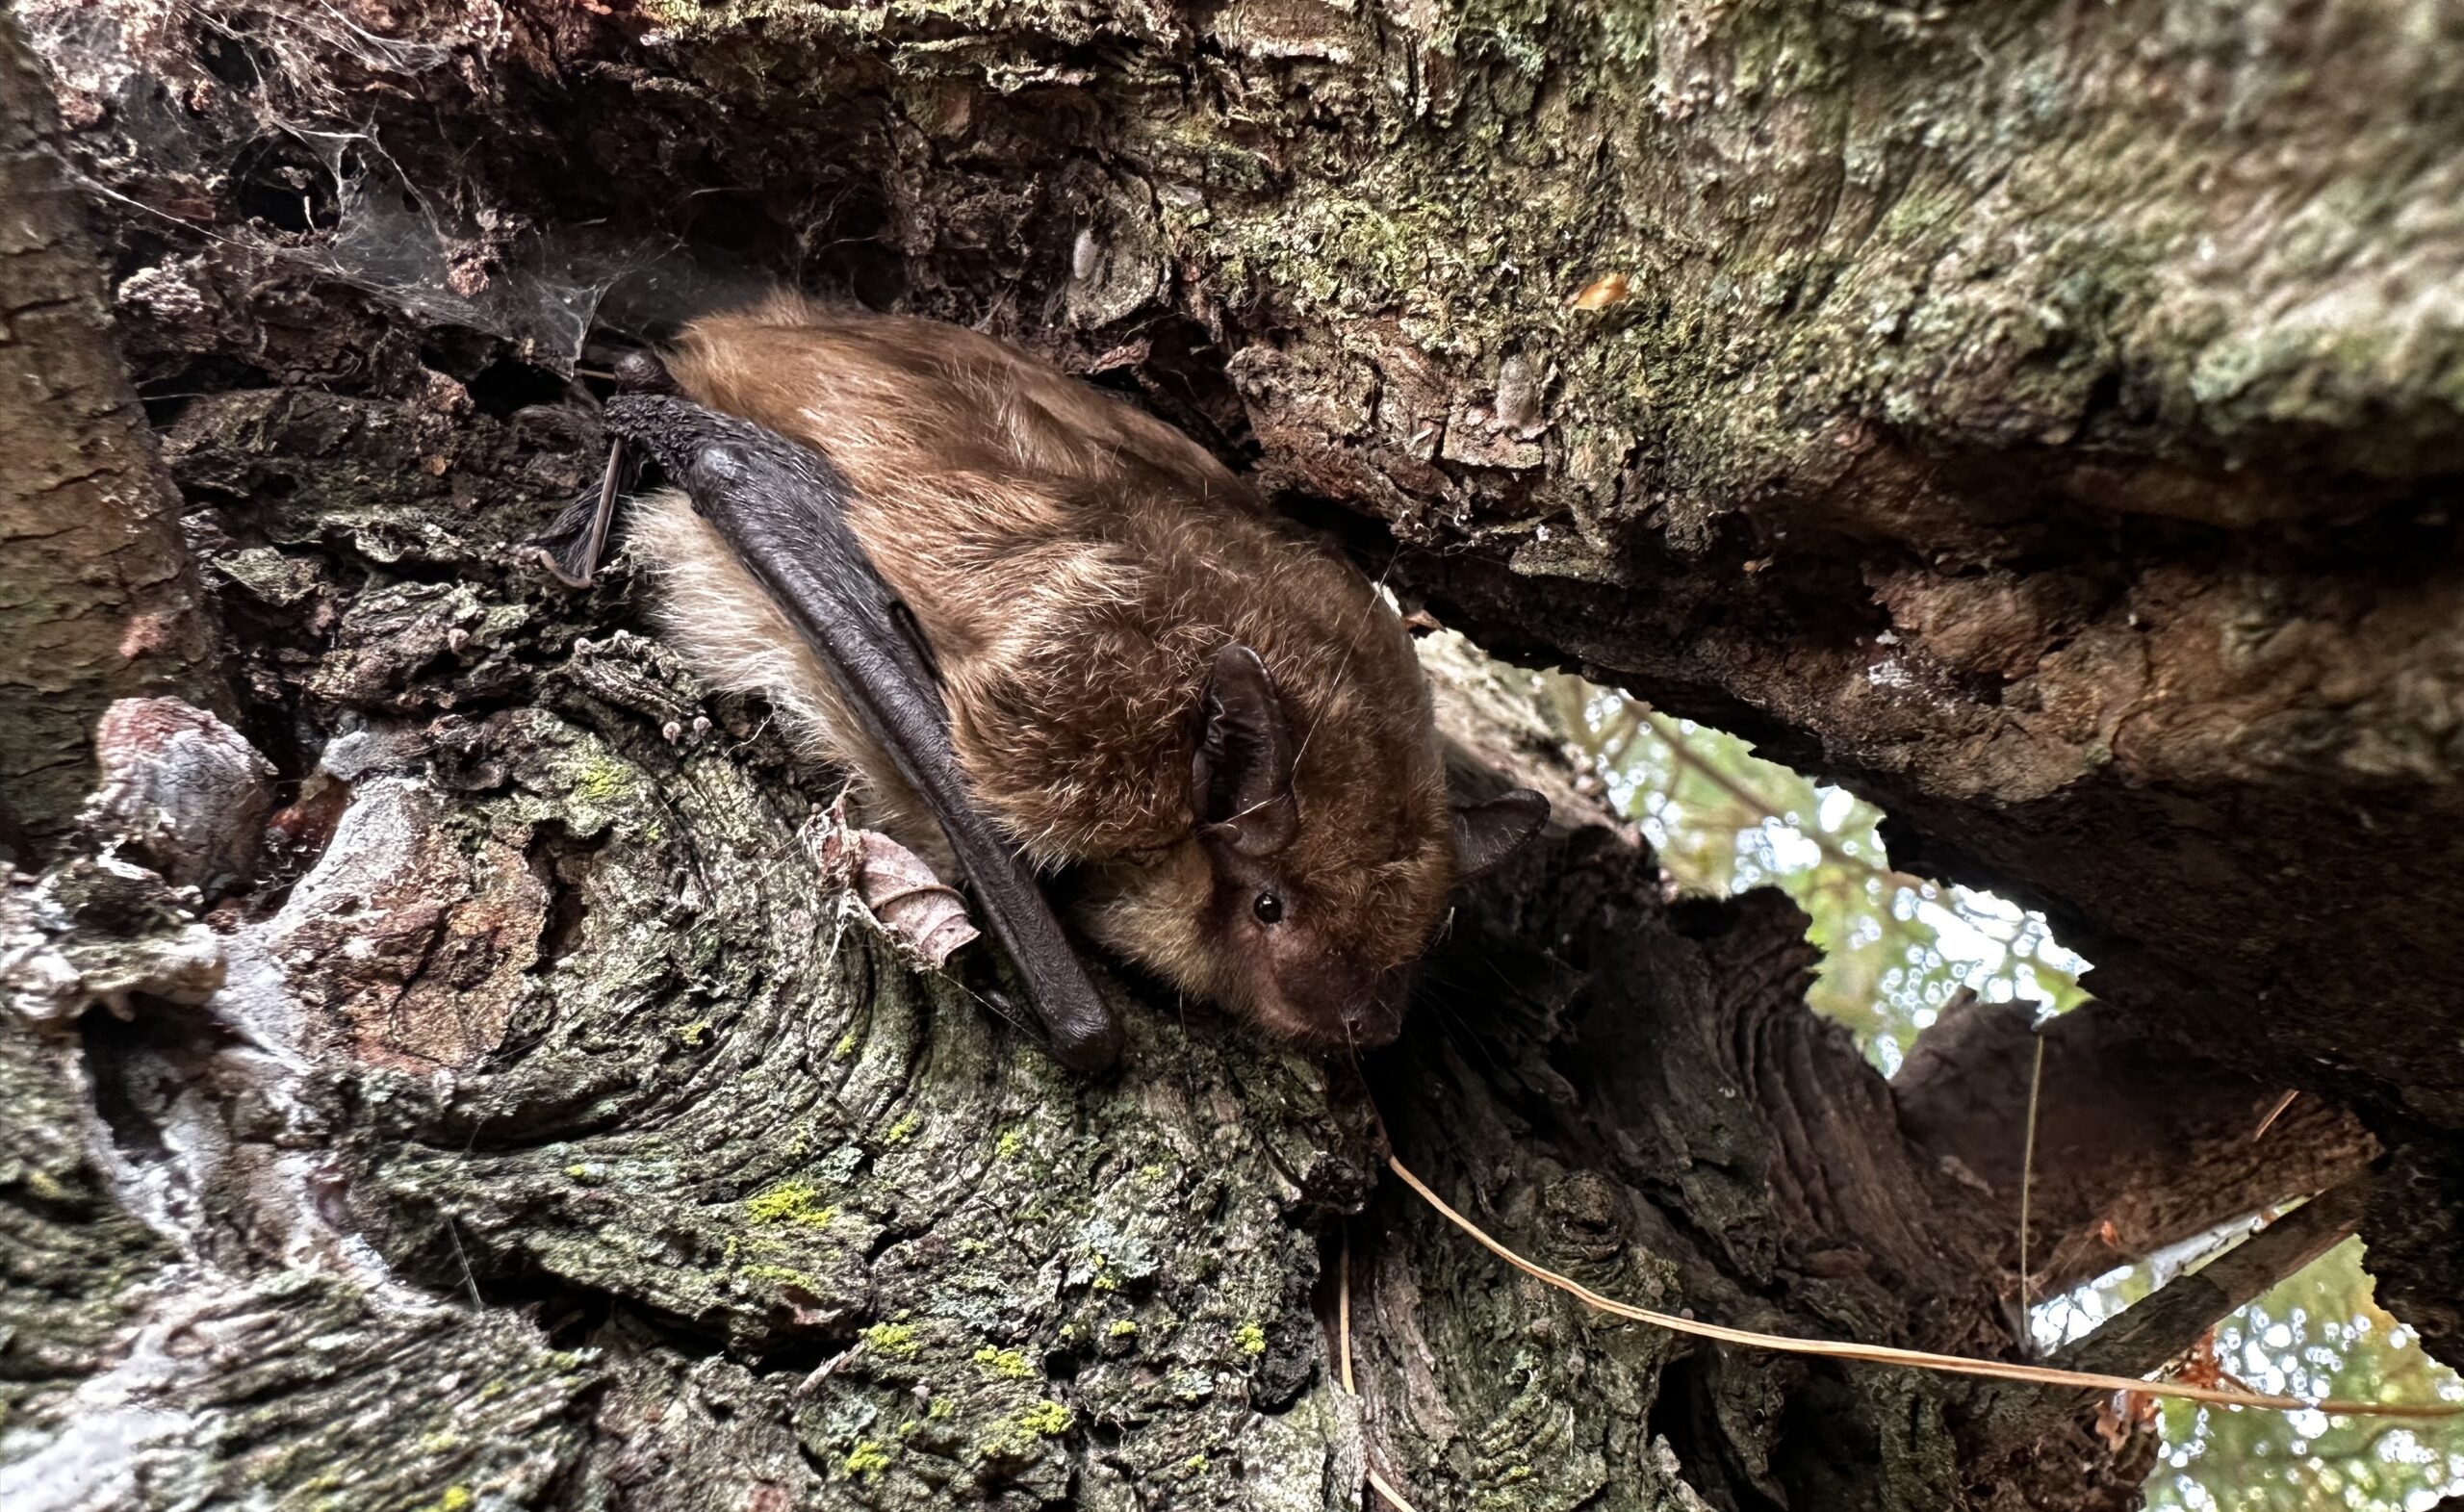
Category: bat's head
<point>1320,863</point>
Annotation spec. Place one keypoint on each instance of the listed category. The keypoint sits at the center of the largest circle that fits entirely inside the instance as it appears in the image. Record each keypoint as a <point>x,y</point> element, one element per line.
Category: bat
<point>1052,636</point>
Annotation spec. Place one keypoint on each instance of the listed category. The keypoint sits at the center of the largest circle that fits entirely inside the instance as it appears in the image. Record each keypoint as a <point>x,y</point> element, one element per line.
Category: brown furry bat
<point>1215,725</point>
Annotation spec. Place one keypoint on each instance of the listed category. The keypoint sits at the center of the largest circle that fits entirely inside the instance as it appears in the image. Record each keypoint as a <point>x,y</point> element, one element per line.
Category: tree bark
<point>551,1138</point>
<point>97,600</point>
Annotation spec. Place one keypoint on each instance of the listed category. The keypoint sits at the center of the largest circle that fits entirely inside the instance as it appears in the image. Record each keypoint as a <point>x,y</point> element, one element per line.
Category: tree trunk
<point>1990,411</point>
<point>97,598</point>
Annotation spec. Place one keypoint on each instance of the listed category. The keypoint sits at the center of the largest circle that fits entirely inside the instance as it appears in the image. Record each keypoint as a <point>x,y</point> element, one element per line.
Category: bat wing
<point>777,503</point>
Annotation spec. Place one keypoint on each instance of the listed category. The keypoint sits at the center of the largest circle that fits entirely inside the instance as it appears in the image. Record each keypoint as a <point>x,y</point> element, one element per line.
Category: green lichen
<point>694,1033</point>
<point>845,1047</point>
<point>868,1458</point>
<point>896,1340</point>
<point>1196,1464</point>
<point>1047,1420</point>
<point>1007,1145</point>
<point>901,1132</point>
<point>601,781</point>
<point>942,1408</point>
<point>1007,1364</point>
<point>1121,1328</point>
<point>783,1275</point>
<point>789,1202</point>
<point>1251,1338</point>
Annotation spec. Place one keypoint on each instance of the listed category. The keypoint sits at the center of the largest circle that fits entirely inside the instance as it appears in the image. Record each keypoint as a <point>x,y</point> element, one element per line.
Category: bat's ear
<point>1486,834</point>
<point>1241,778</point>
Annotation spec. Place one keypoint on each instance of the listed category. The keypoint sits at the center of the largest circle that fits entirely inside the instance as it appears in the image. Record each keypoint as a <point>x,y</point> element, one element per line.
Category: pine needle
<point>1343,1311</point>
<point>2273,1114</point>
<point>2027,1183</point>
<point>1915,1359</point>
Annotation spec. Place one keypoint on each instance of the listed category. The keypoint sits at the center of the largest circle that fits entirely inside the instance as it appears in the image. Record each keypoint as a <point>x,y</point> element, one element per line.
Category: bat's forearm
<point>778,504</point>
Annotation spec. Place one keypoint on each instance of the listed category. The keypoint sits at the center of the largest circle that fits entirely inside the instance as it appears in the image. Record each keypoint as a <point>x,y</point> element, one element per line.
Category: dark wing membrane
<point>778,504</point>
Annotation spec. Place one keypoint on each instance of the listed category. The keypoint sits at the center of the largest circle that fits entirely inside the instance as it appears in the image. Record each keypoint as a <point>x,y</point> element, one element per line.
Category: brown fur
<point>1076,566</point>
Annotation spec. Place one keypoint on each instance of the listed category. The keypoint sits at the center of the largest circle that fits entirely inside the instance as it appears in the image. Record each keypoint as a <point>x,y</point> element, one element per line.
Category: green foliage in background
<point>1896,950</point>
<point>2318,1334</point>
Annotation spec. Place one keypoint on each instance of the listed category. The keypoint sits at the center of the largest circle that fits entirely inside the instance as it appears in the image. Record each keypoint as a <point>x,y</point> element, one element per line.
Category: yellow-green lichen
<point>694,1033</point>
<point>845,1047</point>
<point>900,1132</point>
<point>1009,1144</point>
<point>601,781</point>
<point>789,1202</point>
<point>1007,1364</point>
<point>1251,1338</point>
<point>895,1340</point>
<point>783,1275</point>
<point>1121,1328</point>
<point>1046,1420</point>
<point>1196,1464</point>
<point>868,1458</point>
<point>942,1408</point>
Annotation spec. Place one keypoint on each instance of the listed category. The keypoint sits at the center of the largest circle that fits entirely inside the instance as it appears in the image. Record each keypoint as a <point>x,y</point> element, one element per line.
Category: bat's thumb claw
<point>642,373</point>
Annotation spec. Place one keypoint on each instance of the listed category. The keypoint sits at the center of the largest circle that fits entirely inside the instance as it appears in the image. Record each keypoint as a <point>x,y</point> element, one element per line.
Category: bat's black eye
<point>1269,909</point>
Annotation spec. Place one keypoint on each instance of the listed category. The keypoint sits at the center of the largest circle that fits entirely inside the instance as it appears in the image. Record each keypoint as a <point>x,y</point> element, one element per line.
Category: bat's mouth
<point>1364,1019</point>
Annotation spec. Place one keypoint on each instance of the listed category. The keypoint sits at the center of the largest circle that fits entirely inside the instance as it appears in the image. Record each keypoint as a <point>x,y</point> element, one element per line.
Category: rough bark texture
<point>96,597</point>
<point>1970,415</point>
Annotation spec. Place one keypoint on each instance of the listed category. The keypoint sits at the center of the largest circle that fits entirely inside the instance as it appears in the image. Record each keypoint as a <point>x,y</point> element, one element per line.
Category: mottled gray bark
<point>554,1139</point>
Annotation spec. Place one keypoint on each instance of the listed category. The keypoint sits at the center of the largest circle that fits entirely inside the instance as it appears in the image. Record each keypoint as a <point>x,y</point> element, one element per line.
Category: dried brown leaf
<point>918,909</point>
